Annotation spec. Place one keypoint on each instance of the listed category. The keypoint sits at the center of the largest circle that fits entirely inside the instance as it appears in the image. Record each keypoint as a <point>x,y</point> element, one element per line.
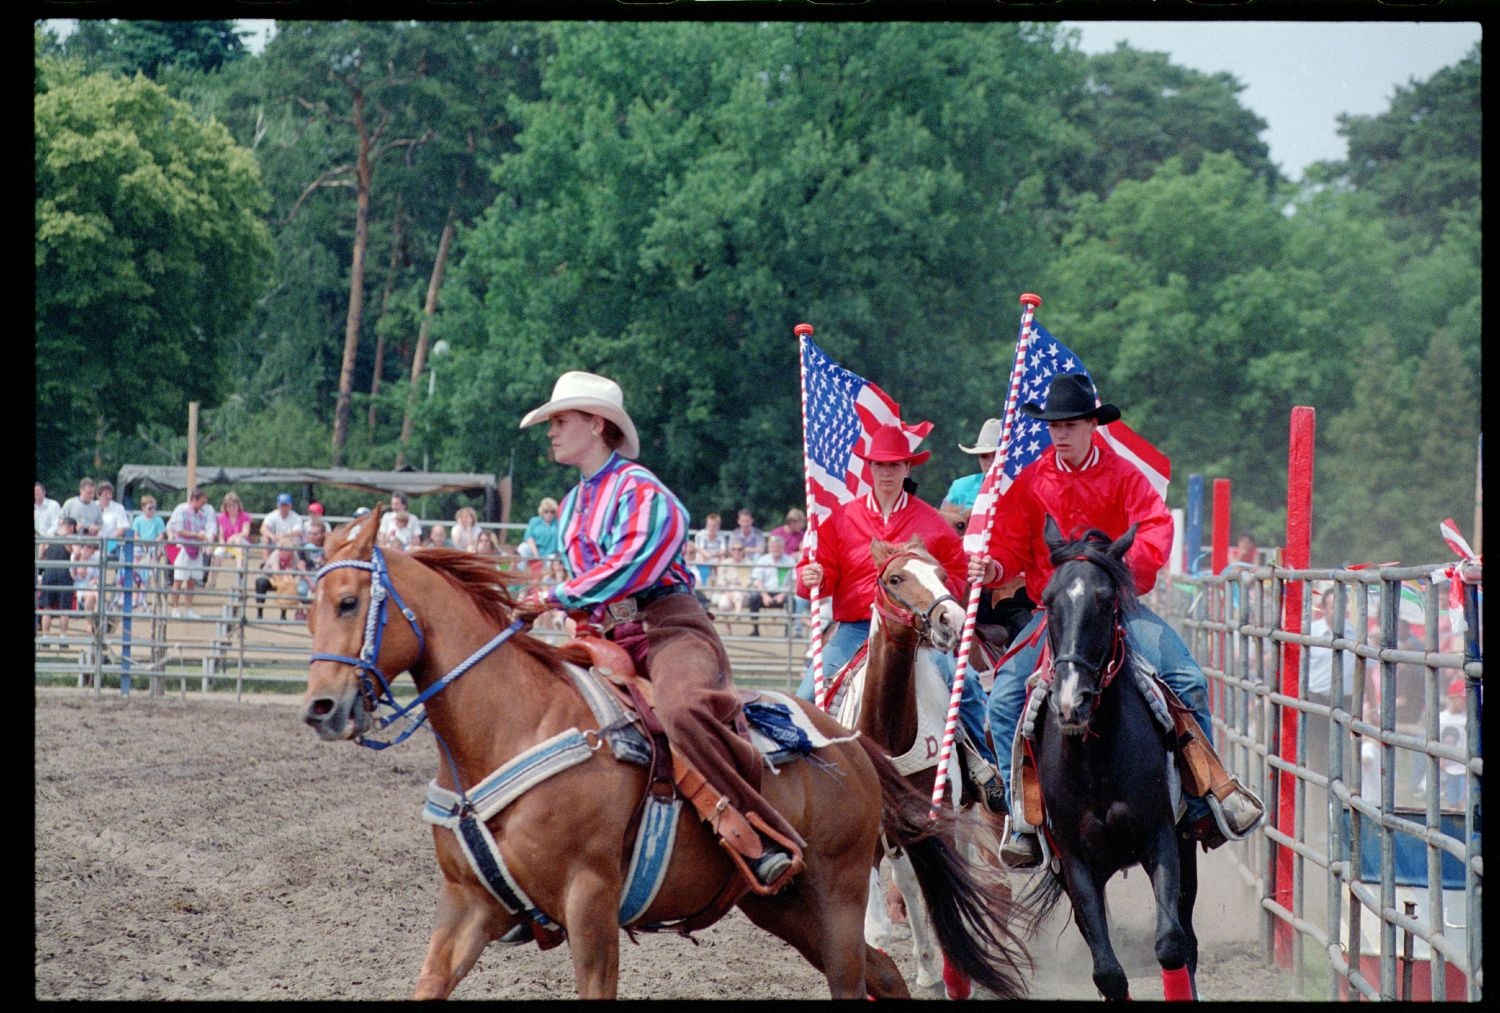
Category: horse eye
<point>347,603</point>
<point>894,579</point>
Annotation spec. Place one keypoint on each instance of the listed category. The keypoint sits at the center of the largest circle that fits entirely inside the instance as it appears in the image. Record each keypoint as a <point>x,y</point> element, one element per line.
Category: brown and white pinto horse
<point>564,841</point>
<point>901,701</point>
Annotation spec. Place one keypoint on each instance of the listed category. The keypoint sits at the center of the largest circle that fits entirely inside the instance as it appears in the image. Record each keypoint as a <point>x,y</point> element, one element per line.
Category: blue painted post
<point>1192,539</point>
<point>127,578</point>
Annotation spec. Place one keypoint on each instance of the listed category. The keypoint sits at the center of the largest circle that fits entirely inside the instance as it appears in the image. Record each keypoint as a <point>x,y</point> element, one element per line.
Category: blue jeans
<point>1150,637</point>
<point>846,640</point>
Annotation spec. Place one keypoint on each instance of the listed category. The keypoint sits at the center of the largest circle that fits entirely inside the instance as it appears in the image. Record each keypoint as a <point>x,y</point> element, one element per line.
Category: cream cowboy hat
<point>989,439</point>
<point>597,395</point>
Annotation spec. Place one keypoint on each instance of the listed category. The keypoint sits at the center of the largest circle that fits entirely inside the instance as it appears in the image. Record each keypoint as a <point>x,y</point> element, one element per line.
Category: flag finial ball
<point>803,330</point>
<point>1030,299</point>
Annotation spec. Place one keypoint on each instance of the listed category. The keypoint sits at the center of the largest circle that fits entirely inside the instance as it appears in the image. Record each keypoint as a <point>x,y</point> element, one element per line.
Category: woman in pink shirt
<point>234,529</point>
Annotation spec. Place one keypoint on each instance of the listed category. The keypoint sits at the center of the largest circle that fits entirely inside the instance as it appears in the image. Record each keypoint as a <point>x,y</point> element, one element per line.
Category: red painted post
<point>1221,524</point>
<point>1218,559</point>
<point>1297,551</point>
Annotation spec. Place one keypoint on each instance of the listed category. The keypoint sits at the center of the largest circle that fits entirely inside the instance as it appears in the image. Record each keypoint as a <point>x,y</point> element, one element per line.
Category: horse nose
<point>322,715</point>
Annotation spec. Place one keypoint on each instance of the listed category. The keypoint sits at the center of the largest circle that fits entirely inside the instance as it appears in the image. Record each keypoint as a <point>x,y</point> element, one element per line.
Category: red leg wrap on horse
<point>1177,986</point>
<point>955,982</point>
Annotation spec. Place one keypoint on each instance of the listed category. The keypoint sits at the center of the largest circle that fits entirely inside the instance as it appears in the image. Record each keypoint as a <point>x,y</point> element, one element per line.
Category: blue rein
<point>376,617</point>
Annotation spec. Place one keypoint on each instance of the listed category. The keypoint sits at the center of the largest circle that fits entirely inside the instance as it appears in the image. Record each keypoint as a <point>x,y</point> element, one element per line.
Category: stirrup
<point>1248,799</point>
<point>770,867</point>
<point>1021,851</point>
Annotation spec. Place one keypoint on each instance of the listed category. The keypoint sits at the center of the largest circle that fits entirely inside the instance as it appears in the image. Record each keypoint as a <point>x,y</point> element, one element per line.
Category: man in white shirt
<point>411,533</point>
<point>771,578</point>
<point>281,521</point>
<point>191,526</point>
<point>1320,659</point>
<point>44,511</point>
<point>114,519</point>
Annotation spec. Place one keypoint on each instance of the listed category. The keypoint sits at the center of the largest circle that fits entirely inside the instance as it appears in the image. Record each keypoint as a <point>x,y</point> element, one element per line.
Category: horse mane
<point>1093,545</point>
<point>481,580</point>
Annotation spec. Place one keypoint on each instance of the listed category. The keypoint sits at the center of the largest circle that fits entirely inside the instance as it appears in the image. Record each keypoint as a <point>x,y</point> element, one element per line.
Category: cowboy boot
<point>982,777</point>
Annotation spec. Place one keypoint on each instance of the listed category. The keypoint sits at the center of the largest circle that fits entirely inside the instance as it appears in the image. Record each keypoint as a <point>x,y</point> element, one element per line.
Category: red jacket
<point>1109,494</point>
<point>848,566</point>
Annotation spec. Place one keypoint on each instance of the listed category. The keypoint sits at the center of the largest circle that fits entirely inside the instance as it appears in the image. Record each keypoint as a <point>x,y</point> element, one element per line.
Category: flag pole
<point>814,617</point>
<point>985,517</point>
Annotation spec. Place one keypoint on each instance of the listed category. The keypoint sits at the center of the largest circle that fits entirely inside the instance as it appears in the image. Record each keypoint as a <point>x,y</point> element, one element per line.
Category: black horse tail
<point>969,906</point>
<point>1042,896</point>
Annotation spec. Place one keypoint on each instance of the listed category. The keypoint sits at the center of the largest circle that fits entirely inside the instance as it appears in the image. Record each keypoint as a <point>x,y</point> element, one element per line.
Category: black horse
<point>1101,760</point>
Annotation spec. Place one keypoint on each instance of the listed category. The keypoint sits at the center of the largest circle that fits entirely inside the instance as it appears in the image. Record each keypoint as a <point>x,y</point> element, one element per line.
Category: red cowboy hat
<point>889,443</point>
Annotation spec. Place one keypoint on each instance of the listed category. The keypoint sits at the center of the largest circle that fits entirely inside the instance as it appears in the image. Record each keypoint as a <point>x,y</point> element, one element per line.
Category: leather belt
<point>626,609</point>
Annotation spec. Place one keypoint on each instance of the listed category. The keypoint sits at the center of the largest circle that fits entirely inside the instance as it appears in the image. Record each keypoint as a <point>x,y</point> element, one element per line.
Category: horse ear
<point>1118,547</point>
<point>881,551</point>
<point>359,534</point>
<point>1052,534</point>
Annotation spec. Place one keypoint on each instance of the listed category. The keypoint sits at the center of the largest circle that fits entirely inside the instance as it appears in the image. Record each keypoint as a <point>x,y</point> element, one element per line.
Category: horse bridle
<point>381,591</point>
<point>910,615</point>
<point>1108,666</point>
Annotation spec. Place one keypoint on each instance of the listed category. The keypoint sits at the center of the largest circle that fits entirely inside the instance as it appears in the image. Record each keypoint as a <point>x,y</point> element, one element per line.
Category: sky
<point>1298,75</point>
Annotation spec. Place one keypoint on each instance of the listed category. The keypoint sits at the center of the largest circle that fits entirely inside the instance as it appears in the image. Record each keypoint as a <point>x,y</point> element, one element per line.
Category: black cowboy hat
<point>1071,396</point>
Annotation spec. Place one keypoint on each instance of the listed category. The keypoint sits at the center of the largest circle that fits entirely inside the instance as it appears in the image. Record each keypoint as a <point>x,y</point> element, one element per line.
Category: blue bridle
<point>381,590</point>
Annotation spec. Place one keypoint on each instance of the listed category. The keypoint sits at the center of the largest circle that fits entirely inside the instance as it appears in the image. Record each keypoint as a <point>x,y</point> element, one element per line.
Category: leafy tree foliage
<point>151,47</point>
<point>150,249</point>
<point>663,201</point>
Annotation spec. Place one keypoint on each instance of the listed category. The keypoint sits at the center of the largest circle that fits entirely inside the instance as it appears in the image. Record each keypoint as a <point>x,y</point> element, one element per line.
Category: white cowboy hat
<point>989,439</point>
<point>597,395</point>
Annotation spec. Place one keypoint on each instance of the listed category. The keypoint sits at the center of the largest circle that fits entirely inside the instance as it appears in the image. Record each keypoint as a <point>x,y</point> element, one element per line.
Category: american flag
<point>1045,358</point>
<point>842,410</point>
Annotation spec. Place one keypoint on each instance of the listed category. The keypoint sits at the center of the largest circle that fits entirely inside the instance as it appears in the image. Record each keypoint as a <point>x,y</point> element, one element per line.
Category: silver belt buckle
<point>624,610</point>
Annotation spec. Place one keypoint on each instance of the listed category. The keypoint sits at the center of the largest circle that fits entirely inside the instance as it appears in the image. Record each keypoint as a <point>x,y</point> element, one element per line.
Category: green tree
<point>150,250</point>
<point>1421,157</point>
<point>151,47</point>
<point>1137,109</point>
<point>685,193</point>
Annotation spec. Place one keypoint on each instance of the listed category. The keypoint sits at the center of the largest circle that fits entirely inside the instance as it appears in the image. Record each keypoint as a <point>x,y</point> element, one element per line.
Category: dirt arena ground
<point>204,849</point>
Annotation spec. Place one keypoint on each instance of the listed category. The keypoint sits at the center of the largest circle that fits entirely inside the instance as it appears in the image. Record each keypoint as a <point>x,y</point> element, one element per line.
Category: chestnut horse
<point>901,701</point>
<point>553,855</point>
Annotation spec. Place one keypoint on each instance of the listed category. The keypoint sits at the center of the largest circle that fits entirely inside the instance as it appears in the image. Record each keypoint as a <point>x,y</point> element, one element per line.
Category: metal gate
<point>1370,868</point>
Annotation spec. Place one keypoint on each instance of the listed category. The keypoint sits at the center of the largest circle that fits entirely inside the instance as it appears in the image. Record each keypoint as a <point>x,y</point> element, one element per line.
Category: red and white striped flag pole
<point>814,618</point>
<point>988,489</point>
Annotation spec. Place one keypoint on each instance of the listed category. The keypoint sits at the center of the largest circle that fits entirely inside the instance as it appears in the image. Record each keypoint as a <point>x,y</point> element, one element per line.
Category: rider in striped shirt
<point>623,533</point>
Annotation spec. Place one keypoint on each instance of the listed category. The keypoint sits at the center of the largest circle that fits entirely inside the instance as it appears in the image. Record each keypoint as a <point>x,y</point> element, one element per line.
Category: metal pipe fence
<point>233,638</point>
<point>1387,869</point>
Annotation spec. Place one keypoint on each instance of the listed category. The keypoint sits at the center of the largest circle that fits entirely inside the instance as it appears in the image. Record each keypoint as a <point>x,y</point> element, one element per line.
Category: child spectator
<point>437,537</point>
<point>792,530</point>
<point>412,537</point>
<point>753,537</point>
<point>284,572</point>
<point>86,579</point>
<point>403,532</point>
<point>1453,731</point>
<point>57,581</point>
<point>713,546</point>
<point>465,534</point>
<point>149,531</point>
<point>733,579</point>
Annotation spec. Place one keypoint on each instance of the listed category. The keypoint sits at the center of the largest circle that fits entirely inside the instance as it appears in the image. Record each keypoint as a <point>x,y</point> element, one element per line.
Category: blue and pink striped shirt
<point>622,533</point>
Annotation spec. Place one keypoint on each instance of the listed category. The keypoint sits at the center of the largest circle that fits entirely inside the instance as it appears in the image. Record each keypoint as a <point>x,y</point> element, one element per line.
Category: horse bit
<point>381,590</point>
